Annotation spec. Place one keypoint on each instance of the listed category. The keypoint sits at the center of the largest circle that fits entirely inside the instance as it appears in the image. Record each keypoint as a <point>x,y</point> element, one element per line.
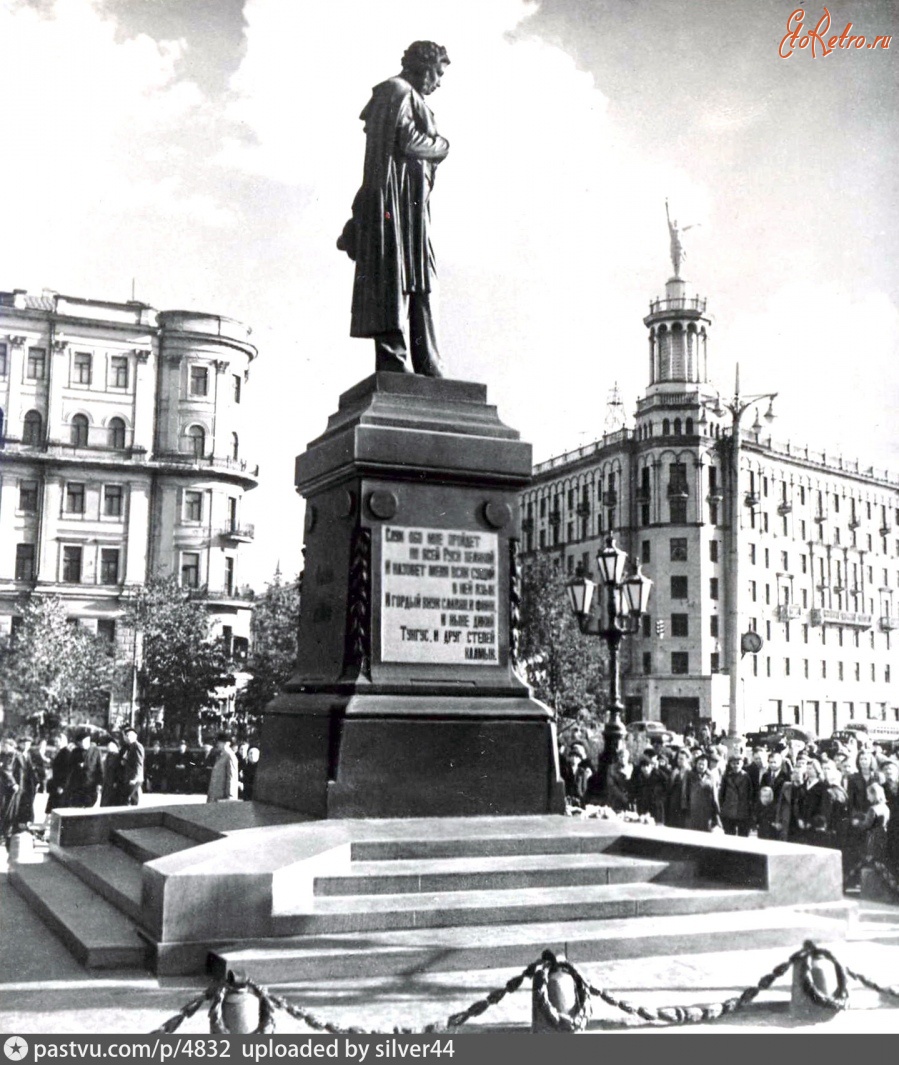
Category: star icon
<point>15,1048</point>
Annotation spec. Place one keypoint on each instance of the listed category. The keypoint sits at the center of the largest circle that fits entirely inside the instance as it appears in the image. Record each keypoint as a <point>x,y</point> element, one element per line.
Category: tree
<point>273,644</point>
<point>565,668</point>
<point>53,670</point>
<point>179,664</point>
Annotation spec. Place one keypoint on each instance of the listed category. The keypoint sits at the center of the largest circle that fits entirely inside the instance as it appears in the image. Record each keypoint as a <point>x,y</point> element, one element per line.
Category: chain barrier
<point>540,973</point>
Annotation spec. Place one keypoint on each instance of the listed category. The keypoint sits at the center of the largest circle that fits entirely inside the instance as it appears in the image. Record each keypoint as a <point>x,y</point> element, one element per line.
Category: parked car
<point>771,736</point>
<point>642,734</point>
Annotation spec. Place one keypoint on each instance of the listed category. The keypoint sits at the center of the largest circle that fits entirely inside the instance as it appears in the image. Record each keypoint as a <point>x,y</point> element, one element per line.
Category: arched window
<point>32,430</point>
<point>689,429</point>
<point>79,430</point>
<point>677,426</point>
<point>235,446</point>
<point>197,441</point>
<point>116,433</point>
<point>666,427</point>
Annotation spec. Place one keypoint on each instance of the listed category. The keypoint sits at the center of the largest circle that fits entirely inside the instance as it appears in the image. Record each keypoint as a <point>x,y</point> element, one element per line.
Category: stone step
<point>94,931</point>
<point>113,874</point>
<point>541,840</point>
<point>399,953</point>
<point>145,844</point>
<point>404,876</point>
<point>367,913</point>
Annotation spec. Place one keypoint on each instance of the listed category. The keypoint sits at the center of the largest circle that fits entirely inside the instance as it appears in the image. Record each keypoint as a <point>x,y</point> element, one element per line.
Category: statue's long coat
<point>390,241</point>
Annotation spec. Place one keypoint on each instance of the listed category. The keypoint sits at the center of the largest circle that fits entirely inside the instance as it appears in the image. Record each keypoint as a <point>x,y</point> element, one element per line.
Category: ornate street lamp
<point>626,599</point>
<point>736,407</point>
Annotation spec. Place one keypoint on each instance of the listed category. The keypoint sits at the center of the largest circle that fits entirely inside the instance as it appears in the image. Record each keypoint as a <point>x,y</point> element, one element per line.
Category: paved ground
<point>43,990</point>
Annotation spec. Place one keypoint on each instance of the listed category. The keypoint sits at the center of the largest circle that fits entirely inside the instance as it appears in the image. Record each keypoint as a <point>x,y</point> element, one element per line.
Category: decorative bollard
<point>819,986</point>
<point>21,847</point>
<point>560,1003</point>
<point>240,1008</point>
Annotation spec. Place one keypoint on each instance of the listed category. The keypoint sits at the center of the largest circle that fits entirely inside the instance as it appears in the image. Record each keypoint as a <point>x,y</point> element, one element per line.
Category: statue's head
<point>423,65</point>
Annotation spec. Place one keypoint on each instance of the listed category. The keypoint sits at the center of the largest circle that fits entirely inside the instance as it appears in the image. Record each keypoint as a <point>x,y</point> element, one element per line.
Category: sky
<point>210,150</point>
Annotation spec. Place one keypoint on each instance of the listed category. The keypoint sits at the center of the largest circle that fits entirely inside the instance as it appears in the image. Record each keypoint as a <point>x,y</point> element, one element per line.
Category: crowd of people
<point>846,797</point>
<point>76,771</point>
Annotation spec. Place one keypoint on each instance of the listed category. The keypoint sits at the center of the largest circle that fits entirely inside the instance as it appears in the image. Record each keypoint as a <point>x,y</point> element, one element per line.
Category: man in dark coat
<point>181,770</point>
<point>59,771</point>
<point>12,774</point>
<point>387,236</point>
<point>736,798</point>
<point>131,770</point>
<point>85,774</point>
<point>704,812</point>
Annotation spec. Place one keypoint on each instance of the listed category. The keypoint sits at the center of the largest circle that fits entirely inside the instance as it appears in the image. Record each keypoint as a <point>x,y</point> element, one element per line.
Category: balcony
<point>678,491</point>
<point>855,524</point>
<point>610,499</point>
<point>242,534</point>
<point>183,458</point>
<point>784,508</point>
<point>789,612</point>
<point>821,616</point>
<point>887,623</point>
<point>57,449</point>
<point>751,499</point>
<point>885,530</point>
<point>583,510</point>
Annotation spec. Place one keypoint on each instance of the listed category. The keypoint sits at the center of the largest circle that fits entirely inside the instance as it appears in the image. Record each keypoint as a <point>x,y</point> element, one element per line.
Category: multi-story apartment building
<point>121,455</point>
<point>817,551</point>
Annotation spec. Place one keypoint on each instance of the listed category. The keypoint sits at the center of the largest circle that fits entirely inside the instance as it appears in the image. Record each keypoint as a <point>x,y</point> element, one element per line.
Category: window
<point>109,565</point>
<point>190,570</point>
<point>752,554</point>
<point>753,591</point>
<point>229,574</point>
<point>645,552</point>
<point>680,624</point>
<point>678,587</point>
<point>112,500</point>
<point>805,668</point>
<point>235,379</point>
<point>235,450</point>
<point>36,367</point>
<point>713,587</point>
<point>24,562</point>
<point>714,625</point>
<point>767,559</point>
<point>680,662</point>
<point>232,520</point>
<point>116,431</point>
<point>106,629</point>
<point>196,441</point>
<point>75,499</point>
<point>677,511</point>
<point>193,506</point>
<point>33,429</point>
<point>678,547</point>
<point>824,668</point>
<point>199,381</point>
<point>646,621</point>
<point>71,565</point>
<point>715,662</point>
<point>4,364</point>
<point>79,430</point>
<point>647,663</point>
<point>803,564</point>
<point>118,371</point>
<point>713,513</point>
<point>28,497</point>
<point>81,368</point>
<point>713,550</point>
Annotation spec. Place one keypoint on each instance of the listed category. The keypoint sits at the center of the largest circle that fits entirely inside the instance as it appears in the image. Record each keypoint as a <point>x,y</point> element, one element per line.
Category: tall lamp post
<point>626,597</point>
<point>736,407</point>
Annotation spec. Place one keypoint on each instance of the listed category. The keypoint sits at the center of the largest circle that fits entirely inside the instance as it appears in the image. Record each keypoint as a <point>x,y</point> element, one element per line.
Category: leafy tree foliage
<point>273,644</point>
<point>565,668</point>
<point>53,671</point>
<point>180,665</point>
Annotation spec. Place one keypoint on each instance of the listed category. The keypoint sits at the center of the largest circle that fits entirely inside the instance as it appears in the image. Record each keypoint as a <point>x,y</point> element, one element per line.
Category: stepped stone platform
<point>183,889</point>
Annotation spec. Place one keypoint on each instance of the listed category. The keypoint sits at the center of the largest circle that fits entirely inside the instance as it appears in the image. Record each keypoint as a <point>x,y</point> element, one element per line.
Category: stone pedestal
<point>406,701</point>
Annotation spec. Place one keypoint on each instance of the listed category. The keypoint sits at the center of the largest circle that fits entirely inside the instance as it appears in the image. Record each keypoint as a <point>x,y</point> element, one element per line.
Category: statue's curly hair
<point>424,55</point>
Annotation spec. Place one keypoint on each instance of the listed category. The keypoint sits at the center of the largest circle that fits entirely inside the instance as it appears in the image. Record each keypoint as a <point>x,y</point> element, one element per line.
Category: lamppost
<point>619,616</point>
<point>736,407</point>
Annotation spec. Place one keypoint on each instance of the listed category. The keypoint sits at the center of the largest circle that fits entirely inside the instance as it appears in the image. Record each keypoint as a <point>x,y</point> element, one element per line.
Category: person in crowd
<point>677,798</point>
<point>704,813</point>
<point>859,804</point>
<point>756,768</point>
<point>155,768</point>
<point>131,769</point>
<point>40,761</point>
<point>717,766</point>
<point>876,823</point>
<point>109,790</point>
<point>766,814</point>
<point>705,737</point>
<point>812,805</point>
<point>648,787</point>
<point>618,781</point>
<point>29,783</point>
<point>583,774</point>
<point>12,773</point>
<point>837,812</point>
<point>777,775</point>
<point>736,798</point>
<point>59,771</point>
<point>249,780</point>
<point>223,783</point>
<point>791,795</point>
<point>205,763</point>
<point>891,794</point>
<point>85,773</point>
<point>180,771</point>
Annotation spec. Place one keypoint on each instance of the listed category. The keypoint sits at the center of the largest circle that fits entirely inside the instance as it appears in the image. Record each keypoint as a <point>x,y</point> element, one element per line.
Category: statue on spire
<point>677,248</point>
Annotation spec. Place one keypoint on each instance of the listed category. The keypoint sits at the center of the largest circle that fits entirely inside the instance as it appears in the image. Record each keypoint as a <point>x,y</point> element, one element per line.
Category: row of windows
<point>72,564</point>
<point>820,498</point>
<point>837,670</point>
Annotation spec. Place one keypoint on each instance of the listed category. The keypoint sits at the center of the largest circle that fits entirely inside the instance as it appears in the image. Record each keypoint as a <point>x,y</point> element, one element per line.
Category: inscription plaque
<point>439,596</point>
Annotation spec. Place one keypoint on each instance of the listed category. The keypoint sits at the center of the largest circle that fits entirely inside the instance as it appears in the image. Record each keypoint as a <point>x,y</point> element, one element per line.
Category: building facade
<point>816,541</point>
<point>121,456</point>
